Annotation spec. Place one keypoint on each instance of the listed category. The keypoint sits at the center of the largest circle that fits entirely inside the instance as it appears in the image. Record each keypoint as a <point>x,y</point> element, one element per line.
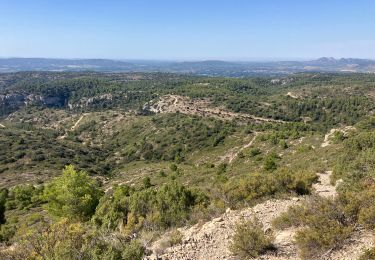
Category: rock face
<point>85,102</point>
<point>18,100</point>
<point>12,102</point>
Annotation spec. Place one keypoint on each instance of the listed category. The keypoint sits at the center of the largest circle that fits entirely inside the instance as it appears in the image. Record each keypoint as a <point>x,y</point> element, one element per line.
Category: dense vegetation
<point>325,96</point>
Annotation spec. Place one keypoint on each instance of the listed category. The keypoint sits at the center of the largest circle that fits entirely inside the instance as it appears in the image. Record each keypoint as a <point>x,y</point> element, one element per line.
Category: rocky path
<point>77,122</point>
<point>243,147</point>
<point>323,187</point>
<point>233,153</point>
<point>210,240</point>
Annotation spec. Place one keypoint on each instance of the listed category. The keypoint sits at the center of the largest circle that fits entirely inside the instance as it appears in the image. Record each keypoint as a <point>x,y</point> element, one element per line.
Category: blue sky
<point>187,29</point>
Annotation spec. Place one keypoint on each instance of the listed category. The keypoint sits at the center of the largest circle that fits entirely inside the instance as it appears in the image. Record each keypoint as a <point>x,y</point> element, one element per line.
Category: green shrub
<point>255,151</point>
<point>162,173</point>
<point>173,167</point>
<point>368,254</point>
<point>293,217</point>
<point>72,240</point>
<point>257,185</point>
<point>283,144</point>
<point>24,196</point>
<point>133,251</point>
<point>147,182</point>
<point>324,223</point>
<point>250,241</point>
<point>113,210</point>
<point>222,168</point>
<point>313,242</point>
<point>270,163</point>
<point>356,197</point>
<point>367,123</point>
<point>152,208</point>
<point>8,229</point>
<point>3,198</point>
<point>73,195</point>
<point>338,137</point>
<point>367,217</point>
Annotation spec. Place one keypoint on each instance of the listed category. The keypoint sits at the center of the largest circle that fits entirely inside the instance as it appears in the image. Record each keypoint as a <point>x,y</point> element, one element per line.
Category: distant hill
<point>208,67</point>
<point>32,64</point>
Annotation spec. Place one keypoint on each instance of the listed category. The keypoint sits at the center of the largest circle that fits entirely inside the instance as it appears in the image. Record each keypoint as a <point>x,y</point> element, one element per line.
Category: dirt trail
<point>233,153</point>
<point>292,95</point>
<point>326,141</point>
<point>73,127</point>
<point>210,240</point>
<point>201,107</point>
<point>323,187</point>
<point>77,123</point>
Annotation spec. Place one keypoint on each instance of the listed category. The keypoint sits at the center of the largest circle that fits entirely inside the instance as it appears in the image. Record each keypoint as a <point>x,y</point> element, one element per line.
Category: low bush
<point>173,238</point>
<point>325,226</point>
<point>255,151</point>
<point>259,185</point>
<point>313,242</point>
<point>24,196</point>
<point>72,240</point>
<point>357,199</point>
<point>294,217</point>
<point>270,162</point>
<point>3,198</point>
<point>133,251</point>
<point>250,241</point>
<point>153,208</point>
<point>368,254</point>
<point>8,229</point>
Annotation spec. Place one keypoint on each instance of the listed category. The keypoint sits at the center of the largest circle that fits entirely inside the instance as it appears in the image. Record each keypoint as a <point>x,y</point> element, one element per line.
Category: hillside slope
<point>210,240</point>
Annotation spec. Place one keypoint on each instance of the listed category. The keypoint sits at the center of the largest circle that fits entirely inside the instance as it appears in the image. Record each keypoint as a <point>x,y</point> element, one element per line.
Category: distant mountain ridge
<point>206,67</point>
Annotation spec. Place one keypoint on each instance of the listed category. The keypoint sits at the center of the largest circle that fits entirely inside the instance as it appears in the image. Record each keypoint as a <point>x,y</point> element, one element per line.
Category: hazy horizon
<point>191,59</point>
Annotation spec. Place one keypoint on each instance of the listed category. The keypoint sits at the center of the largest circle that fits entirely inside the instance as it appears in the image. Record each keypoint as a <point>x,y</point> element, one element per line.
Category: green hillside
<point>88,167</point>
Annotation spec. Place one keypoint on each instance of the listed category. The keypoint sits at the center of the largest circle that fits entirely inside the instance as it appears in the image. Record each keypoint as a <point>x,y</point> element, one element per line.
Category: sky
<point>188,29</point>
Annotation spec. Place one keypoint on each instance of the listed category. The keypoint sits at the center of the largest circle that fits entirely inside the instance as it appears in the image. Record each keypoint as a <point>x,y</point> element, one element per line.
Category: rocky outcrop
<point>17,100</point>
<point>85,102</point>
<point>14,101</point>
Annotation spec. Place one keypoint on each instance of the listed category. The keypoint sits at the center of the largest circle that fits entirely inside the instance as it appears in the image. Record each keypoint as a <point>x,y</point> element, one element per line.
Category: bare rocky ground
<point>327,138</point>
<point>200,107</point>
<point>210,240</point>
